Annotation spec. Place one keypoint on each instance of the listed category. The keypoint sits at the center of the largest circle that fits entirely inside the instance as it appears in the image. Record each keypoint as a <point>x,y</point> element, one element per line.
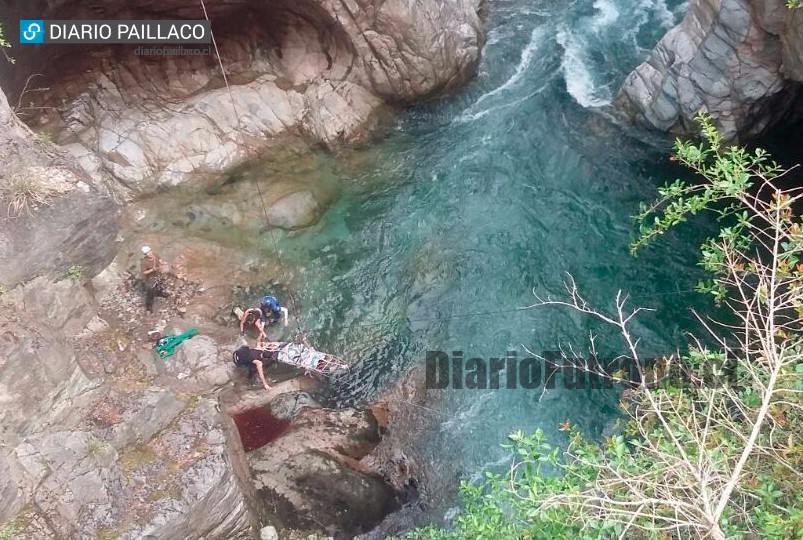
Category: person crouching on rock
<point>253,317</point>
<point>252,360</point>
<point>272,311</point>
<point>151,269</point>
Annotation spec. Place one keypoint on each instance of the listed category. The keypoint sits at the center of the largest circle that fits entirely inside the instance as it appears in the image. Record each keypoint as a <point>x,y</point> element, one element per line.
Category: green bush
<point>10,529</point>
<point>7,532</point>
<point>5,45</point>
<point>75,272</point>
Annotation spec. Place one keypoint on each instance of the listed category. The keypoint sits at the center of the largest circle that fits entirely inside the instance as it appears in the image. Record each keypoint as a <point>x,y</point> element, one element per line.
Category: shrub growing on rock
<point>24,194</point>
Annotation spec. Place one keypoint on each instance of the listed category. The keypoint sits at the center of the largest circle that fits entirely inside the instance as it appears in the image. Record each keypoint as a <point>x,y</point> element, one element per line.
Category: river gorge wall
<point>741,61</point>
<point>324,71</point>
<point>100,437</point>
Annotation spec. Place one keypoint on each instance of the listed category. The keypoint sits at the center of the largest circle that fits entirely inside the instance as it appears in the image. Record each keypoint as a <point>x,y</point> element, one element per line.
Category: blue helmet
<point>270,302</point>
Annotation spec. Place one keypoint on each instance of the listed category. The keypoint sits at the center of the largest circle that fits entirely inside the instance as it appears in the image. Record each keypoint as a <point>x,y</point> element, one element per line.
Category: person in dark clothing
<point>253,360</point>
<point>151,269</point>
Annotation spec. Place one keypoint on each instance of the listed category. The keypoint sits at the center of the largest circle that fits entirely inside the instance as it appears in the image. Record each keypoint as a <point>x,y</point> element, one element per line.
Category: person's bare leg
<point>150,296</point>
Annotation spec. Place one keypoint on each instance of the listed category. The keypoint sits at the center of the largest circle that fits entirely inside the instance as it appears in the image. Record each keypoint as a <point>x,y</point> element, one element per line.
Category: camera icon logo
<point>32,31</point>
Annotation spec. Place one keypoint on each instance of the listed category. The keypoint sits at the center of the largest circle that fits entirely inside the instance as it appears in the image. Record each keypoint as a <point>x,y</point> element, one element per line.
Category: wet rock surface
<point>293,211</point>
<point>313,477</point>
<point>88,453</point>
<point>102,438</point>
<point>419,481</point>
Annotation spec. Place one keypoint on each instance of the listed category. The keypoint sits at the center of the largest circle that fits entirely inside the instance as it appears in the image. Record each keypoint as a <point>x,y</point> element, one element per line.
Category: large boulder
<point>733,59</point>
<point>321,69</point>
<point>312,476</point>
<point>68,223</point>
<point>199,363</point>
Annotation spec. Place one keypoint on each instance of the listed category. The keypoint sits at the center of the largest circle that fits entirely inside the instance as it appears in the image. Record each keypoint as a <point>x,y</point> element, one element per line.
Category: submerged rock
<point>294,211</point>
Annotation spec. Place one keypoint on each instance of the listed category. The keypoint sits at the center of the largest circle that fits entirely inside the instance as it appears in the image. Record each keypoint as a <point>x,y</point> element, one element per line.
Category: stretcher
<point>301,355</point>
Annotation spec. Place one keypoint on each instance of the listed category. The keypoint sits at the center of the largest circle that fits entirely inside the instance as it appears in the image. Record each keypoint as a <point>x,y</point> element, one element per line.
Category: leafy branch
<point>5,45</point>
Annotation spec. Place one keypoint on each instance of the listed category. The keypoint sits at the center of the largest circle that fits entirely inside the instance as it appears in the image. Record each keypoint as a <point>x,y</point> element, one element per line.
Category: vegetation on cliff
<point>5,45</point>
<point>709,445</point>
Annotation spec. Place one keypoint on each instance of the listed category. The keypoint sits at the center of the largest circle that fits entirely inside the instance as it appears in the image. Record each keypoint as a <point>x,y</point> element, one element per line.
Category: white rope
<point>256,182</point>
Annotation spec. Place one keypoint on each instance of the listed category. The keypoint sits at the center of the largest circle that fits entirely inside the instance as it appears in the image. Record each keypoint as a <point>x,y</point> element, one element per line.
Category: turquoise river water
<point>474,202</point>
<point>471,203</point>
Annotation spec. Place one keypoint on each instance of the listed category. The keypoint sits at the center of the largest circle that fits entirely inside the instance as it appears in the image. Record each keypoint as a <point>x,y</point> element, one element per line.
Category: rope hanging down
<point>256,182</point>
<point>279,255</point>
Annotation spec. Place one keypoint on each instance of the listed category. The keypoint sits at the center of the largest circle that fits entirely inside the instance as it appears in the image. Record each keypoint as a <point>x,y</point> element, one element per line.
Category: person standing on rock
<point>151,269</point>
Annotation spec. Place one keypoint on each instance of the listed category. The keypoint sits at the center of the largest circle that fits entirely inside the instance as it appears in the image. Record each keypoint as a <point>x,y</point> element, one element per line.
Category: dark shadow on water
<point>785,145</point>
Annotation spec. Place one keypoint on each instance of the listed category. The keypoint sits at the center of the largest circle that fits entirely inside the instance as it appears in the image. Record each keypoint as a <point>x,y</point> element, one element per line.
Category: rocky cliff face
<point>67,219</point>
<point>741,61</point>
<point>323,70</point>
<point>95,443</point>
<point>104,439</point>
<point>100,437</point>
